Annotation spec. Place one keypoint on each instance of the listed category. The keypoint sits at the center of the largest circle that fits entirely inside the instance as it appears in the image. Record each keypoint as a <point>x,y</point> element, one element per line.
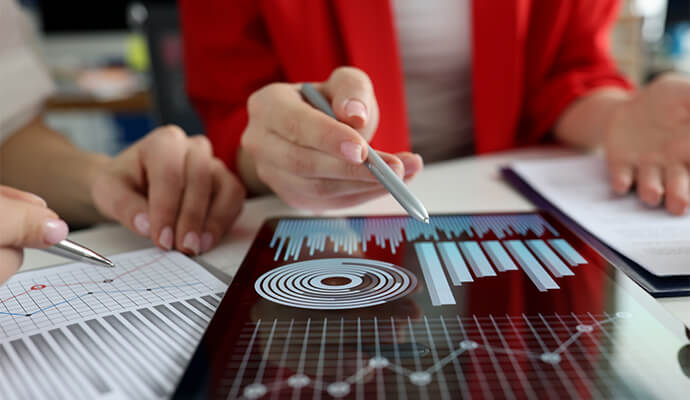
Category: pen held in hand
<point>376,165</point>
<point>74,251</point>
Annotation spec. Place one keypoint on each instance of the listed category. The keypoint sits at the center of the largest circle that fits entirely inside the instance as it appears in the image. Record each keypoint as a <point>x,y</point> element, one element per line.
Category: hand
<point>309,159</point>
<point>169,187</point>
<point>26,222</point>
<point>648,143</point>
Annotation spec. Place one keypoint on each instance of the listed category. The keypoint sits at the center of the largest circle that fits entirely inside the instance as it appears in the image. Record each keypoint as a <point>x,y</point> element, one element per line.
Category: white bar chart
<point>452,250</point>
<point>464,262</point>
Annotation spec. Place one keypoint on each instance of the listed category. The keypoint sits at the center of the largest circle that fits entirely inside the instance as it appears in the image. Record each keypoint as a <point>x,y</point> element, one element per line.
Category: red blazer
<point>530,60</point>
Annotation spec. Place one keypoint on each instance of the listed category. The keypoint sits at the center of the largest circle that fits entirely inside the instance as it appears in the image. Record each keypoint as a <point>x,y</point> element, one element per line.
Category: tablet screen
<point>508,305</point>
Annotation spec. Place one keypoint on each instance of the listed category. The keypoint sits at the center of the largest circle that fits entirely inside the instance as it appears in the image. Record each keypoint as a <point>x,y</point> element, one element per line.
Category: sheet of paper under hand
<point>82,332</point>
<point>579,187</point>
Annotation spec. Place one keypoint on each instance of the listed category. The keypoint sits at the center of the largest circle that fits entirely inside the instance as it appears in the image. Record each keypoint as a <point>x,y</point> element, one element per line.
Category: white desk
<point>466,185</point>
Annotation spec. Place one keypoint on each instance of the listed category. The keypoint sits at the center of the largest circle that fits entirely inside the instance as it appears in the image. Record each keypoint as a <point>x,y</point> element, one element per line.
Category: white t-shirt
<point>24,82</point>
<point>435,46</point>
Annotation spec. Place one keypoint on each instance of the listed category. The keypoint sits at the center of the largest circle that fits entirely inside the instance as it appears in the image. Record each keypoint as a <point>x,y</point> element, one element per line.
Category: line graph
<point>40,299</point>
<point>87,294</point>
<point>524,355</point>
<point>40,286</point>
<point>76,331</point>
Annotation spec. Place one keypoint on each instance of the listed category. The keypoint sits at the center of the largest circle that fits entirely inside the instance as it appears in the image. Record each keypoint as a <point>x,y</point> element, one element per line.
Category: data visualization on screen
<point>84,332</point>
<point>509,305</point>
<point>491,245</point>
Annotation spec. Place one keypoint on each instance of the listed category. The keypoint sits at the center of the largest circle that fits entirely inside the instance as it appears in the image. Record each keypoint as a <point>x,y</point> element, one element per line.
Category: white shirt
<point>24,82</point>
<point>435,46</point>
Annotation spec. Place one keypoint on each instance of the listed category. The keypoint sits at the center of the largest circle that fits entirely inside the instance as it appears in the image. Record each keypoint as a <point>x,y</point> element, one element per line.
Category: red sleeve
<point>581,63</point>
<point>228,56</point>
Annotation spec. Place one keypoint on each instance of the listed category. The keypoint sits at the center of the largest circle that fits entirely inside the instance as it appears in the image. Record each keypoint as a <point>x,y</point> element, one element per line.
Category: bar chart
<point>489,245</point>
<point>485,306</point>
<point>296,237</point>
<point>79,332</point>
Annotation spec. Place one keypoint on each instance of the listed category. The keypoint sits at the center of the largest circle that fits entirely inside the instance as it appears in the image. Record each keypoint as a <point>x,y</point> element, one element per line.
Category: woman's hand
<point>648,143</point>
<point>26,222</point>
<point>169,187</point>
<point>309,159</point>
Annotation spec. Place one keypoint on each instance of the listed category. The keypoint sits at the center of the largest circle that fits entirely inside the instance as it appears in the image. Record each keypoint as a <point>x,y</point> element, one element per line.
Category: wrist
<point>246,171</point>
<point>588,121</point>
<point>616,116</point>
<point>97,164</point>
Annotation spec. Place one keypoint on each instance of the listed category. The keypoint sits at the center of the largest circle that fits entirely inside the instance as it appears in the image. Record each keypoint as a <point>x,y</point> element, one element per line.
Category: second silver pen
<point>376,165</point>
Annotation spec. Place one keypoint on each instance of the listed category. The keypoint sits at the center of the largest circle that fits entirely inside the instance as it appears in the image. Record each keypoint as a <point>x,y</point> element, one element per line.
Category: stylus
<point>376,165</point>
<point>77,252</point>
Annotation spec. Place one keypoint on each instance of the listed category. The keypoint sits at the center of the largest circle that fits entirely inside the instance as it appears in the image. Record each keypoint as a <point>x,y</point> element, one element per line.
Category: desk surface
<point>466,185</point>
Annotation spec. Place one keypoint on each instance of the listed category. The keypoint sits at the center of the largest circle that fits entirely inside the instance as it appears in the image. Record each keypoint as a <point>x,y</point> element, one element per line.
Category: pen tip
<point>426,220</point>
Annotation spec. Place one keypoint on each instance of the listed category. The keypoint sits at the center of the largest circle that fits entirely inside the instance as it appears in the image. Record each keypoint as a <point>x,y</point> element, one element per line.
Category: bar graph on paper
<point>451,250</point>
<point>84,332</point>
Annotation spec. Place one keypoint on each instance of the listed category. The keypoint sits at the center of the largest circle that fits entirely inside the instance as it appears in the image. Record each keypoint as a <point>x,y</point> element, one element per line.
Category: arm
<point>585,122</point>
<point>581,85</point>
<point>644,133</point>
<point>228,56</point>
<point>167,186</point>
<point>39,160</point>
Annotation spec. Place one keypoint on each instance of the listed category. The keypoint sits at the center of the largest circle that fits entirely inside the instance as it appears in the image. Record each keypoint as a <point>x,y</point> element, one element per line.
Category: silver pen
<point>376,165</point>
<point>77,252</point>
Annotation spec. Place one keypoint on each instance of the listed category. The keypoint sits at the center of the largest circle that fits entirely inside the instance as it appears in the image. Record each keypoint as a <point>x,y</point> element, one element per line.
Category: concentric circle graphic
<point>335,283</point>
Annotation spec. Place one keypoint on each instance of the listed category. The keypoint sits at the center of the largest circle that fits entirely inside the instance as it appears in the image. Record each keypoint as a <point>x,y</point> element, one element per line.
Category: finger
<point>320,189</point>
<point>117,199</point>
<point>412,163</point>
<point>309,201</point>
<point>621,175</point>
<point>10,261</point>
<point>359,198</point>
<point>650,185</point>
<point>196,197</point>
<point>21,195</point>
<point>677,188</point>
<point>163,158</point>
<point>226,205</point>
<point>352,95</point>
<point>29,225</point>
<point>309,163</point>
<point>285,113</point>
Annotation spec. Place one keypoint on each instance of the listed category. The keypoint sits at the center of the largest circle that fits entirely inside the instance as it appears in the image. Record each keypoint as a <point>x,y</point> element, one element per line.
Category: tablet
<point>503,305</point>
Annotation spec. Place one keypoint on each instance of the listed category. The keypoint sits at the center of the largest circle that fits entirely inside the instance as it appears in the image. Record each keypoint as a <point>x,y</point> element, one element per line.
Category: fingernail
<point>141,222</point>
<point>412,164</point>
<point>191,242</point>
<point>352,152</point>
<point>166,238</point>
<point>54,230</point>
<point>206,242</point>
<point>355,108</point>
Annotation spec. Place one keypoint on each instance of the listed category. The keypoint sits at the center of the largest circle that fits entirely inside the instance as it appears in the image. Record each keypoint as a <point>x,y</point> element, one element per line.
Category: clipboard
<point>654,285</point>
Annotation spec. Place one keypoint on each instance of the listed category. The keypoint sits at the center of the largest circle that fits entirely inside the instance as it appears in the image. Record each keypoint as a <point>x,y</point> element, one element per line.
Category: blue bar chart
<point>451,250</point>
<point>295,238</point>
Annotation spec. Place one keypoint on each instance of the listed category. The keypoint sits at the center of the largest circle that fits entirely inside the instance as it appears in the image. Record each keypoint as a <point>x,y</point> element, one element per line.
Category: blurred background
<point>119,72</point>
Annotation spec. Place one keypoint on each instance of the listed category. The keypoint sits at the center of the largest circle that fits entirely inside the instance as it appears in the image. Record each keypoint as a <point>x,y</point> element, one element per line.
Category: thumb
<point>353,99</point>
<point>29,225</point>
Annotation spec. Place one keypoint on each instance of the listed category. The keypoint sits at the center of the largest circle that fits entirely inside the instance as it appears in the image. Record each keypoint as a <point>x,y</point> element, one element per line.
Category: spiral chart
<point>335,283</point>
